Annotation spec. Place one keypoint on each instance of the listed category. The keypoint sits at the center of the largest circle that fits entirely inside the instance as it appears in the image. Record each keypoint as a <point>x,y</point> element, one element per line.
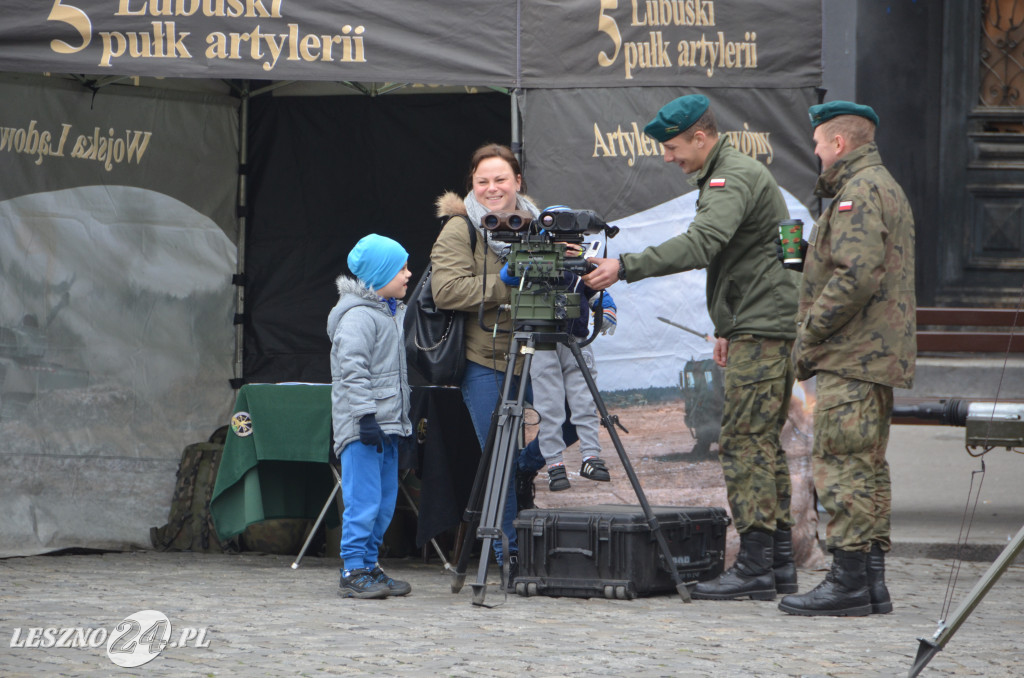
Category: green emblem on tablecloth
<point>241,424</point>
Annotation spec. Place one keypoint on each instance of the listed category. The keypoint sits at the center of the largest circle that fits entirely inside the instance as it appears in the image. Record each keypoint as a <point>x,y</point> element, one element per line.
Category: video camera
<point>538,257</point>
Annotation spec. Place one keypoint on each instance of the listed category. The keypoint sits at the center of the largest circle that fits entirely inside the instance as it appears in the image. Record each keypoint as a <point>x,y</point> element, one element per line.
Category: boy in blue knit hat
<point>369,406</point>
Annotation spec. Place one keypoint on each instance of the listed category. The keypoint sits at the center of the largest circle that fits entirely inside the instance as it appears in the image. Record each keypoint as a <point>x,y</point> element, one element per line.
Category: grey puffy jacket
<point>368,366</point>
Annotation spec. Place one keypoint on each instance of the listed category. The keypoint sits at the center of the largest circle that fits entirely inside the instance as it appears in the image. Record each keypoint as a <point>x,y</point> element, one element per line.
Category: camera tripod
<point>490,486</point>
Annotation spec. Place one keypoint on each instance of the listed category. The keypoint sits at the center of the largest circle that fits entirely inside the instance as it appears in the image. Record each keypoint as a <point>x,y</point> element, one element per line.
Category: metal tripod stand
<point>490,486</point>
<point>989,425</point>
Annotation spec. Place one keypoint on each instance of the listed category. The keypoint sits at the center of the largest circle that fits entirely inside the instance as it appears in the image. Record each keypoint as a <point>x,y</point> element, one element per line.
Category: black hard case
<point>609,550</point>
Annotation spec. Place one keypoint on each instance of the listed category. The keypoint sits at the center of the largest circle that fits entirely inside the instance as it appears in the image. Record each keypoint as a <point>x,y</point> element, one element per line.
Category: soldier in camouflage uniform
<point>752,302</point>
<point>857,333</point>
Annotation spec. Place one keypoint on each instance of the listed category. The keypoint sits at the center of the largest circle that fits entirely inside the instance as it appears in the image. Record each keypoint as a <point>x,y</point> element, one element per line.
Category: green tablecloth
<point>275,460</point>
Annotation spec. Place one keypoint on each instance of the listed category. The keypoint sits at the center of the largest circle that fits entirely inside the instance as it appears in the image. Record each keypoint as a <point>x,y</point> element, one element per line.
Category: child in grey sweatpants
<point>557,380</point>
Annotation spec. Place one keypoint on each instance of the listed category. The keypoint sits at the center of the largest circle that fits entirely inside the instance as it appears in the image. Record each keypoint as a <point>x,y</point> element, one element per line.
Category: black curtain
<point>325,171</point>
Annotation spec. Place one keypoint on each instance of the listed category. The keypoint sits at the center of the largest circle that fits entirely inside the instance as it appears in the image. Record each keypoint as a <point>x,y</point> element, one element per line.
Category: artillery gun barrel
<point>988,424</point>
<point>950,412</point>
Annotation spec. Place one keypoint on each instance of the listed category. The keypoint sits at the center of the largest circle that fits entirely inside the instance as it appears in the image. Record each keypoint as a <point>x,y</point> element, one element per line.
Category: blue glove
<point>370,432</point>
<point>609,322</point>
<point>508,278</point>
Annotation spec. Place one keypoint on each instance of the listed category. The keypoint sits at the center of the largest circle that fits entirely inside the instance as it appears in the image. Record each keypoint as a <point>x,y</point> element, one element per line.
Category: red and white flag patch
<point>717,183</point>
<point>845,205</point>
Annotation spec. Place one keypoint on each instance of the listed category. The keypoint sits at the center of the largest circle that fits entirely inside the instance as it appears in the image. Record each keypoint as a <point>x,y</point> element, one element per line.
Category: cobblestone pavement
<point>264,619</point>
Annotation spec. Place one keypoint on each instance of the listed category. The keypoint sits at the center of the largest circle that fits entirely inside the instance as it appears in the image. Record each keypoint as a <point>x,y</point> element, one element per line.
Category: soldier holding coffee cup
<point>857,333</point>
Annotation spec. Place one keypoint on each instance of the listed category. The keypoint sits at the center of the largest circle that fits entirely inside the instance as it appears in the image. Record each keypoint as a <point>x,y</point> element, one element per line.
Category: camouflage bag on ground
<point>190,526</point>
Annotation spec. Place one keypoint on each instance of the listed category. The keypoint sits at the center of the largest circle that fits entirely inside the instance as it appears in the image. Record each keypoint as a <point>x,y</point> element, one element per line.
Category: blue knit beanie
<point>376,260</point>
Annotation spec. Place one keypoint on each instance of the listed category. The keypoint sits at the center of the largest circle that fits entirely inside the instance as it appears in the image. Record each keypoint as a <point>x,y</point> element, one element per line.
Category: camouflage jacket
<point>857,304</point>
<point>734,236</point>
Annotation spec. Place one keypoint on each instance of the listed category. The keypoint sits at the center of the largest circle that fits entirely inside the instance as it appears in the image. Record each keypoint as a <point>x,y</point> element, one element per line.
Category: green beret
<point>824,112</point>
<point>676,116</point>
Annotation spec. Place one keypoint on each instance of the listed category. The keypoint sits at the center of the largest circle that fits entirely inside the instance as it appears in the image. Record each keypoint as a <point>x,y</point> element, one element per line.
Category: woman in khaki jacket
<point>465,277</point>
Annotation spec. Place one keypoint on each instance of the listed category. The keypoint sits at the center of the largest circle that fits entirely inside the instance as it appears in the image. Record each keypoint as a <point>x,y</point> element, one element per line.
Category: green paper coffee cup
<point>790,234</point>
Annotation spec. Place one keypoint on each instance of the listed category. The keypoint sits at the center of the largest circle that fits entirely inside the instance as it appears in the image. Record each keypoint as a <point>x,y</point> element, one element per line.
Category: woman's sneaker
<point>525,490</point>
<point>557,478</point>
<point>594,469</point>
<point>361,584</point>
<point>513,572</point>
<point>396,587</point>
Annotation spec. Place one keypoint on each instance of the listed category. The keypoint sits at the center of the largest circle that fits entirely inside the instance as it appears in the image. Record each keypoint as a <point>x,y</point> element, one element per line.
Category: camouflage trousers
<point>758,386</point>
<point>851,475</point>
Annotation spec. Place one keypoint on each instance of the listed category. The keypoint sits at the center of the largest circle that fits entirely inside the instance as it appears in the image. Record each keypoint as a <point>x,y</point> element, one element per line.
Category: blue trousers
<point>369,486</point>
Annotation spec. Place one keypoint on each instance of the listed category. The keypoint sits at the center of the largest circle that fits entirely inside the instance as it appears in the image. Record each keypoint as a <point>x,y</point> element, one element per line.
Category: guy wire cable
<point>965,524</point>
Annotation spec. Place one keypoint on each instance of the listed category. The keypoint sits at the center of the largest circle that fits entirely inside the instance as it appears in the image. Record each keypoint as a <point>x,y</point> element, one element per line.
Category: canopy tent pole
<point>517,131</point>
<point>239,279</point>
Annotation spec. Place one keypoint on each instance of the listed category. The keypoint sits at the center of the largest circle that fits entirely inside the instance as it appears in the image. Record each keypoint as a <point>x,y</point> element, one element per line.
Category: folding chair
<point>334,494</point>
<point>323,512</point>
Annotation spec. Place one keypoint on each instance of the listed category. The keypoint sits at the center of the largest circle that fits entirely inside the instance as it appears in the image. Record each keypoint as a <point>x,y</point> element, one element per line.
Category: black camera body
<point>537,255</point>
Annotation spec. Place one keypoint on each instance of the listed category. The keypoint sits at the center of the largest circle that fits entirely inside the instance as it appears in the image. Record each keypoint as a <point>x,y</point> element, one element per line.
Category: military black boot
<point>844,593</point>
<point>877,591</point>
<point>751,574</point>
<point>782,562</point>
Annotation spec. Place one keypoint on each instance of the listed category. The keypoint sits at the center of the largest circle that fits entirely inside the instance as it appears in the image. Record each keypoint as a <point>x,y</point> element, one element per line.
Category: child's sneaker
<point>361,584</point>
<point>557,479</point>
<point>396,587</point>
<point>594,469</point>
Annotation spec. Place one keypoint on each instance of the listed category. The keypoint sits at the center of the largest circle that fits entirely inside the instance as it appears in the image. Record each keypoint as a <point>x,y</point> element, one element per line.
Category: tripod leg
<point>608,423</point>
<point>471,517</point>
<point>509,420</point>
<point>929,647</point>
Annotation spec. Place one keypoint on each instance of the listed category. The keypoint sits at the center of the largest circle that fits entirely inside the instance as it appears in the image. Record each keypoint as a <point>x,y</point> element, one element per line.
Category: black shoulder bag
<point>435,342</point>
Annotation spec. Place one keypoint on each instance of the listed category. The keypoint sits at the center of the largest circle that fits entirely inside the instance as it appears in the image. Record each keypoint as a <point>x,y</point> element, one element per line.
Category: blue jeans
<point>481,391</point>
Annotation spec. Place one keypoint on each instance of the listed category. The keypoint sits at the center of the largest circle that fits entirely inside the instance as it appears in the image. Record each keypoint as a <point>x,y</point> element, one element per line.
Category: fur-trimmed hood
<point>346,284</point>
<point>450,204</point>
<point>453,204</point>
<point>352,292</point>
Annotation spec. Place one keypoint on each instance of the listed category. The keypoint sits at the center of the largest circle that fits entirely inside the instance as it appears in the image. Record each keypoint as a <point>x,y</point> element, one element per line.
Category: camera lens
<point>547,219</point>
<point>515,222</point>
<point>490,221</point>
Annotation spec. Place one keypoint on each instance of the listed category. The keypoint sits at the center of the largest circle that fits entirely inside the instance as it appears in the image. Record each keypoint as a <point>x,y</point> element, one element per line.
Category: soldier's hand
<point>721,353</point>
<point>797,266</point>
<point>604,275</point>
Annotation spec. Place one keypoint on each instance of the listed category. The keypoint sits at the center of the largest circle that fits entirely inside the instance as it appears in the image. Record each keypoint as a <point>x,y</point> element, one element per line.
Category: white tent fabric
<point>645,352</point>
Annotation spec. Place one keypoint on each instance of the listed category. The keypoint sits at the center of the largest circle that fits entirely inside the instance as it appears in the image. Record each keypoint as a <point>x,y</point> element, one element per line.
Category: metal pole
<point>243,160</point>
<point>929,647</point>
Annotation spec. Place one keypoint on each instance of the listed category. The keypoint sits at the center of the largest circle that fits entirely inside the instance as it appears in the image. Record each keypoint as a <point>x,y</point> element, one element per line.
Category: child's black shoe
<point>361,584</point>
<point>396,587</point>
<point>557,478</point>
<point>594,469</point>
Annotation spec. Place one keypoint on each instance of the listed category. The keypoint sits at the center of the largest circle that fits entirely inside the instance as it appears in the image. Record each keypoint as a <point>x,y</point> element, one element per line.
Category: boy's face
<point>399,284</point>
